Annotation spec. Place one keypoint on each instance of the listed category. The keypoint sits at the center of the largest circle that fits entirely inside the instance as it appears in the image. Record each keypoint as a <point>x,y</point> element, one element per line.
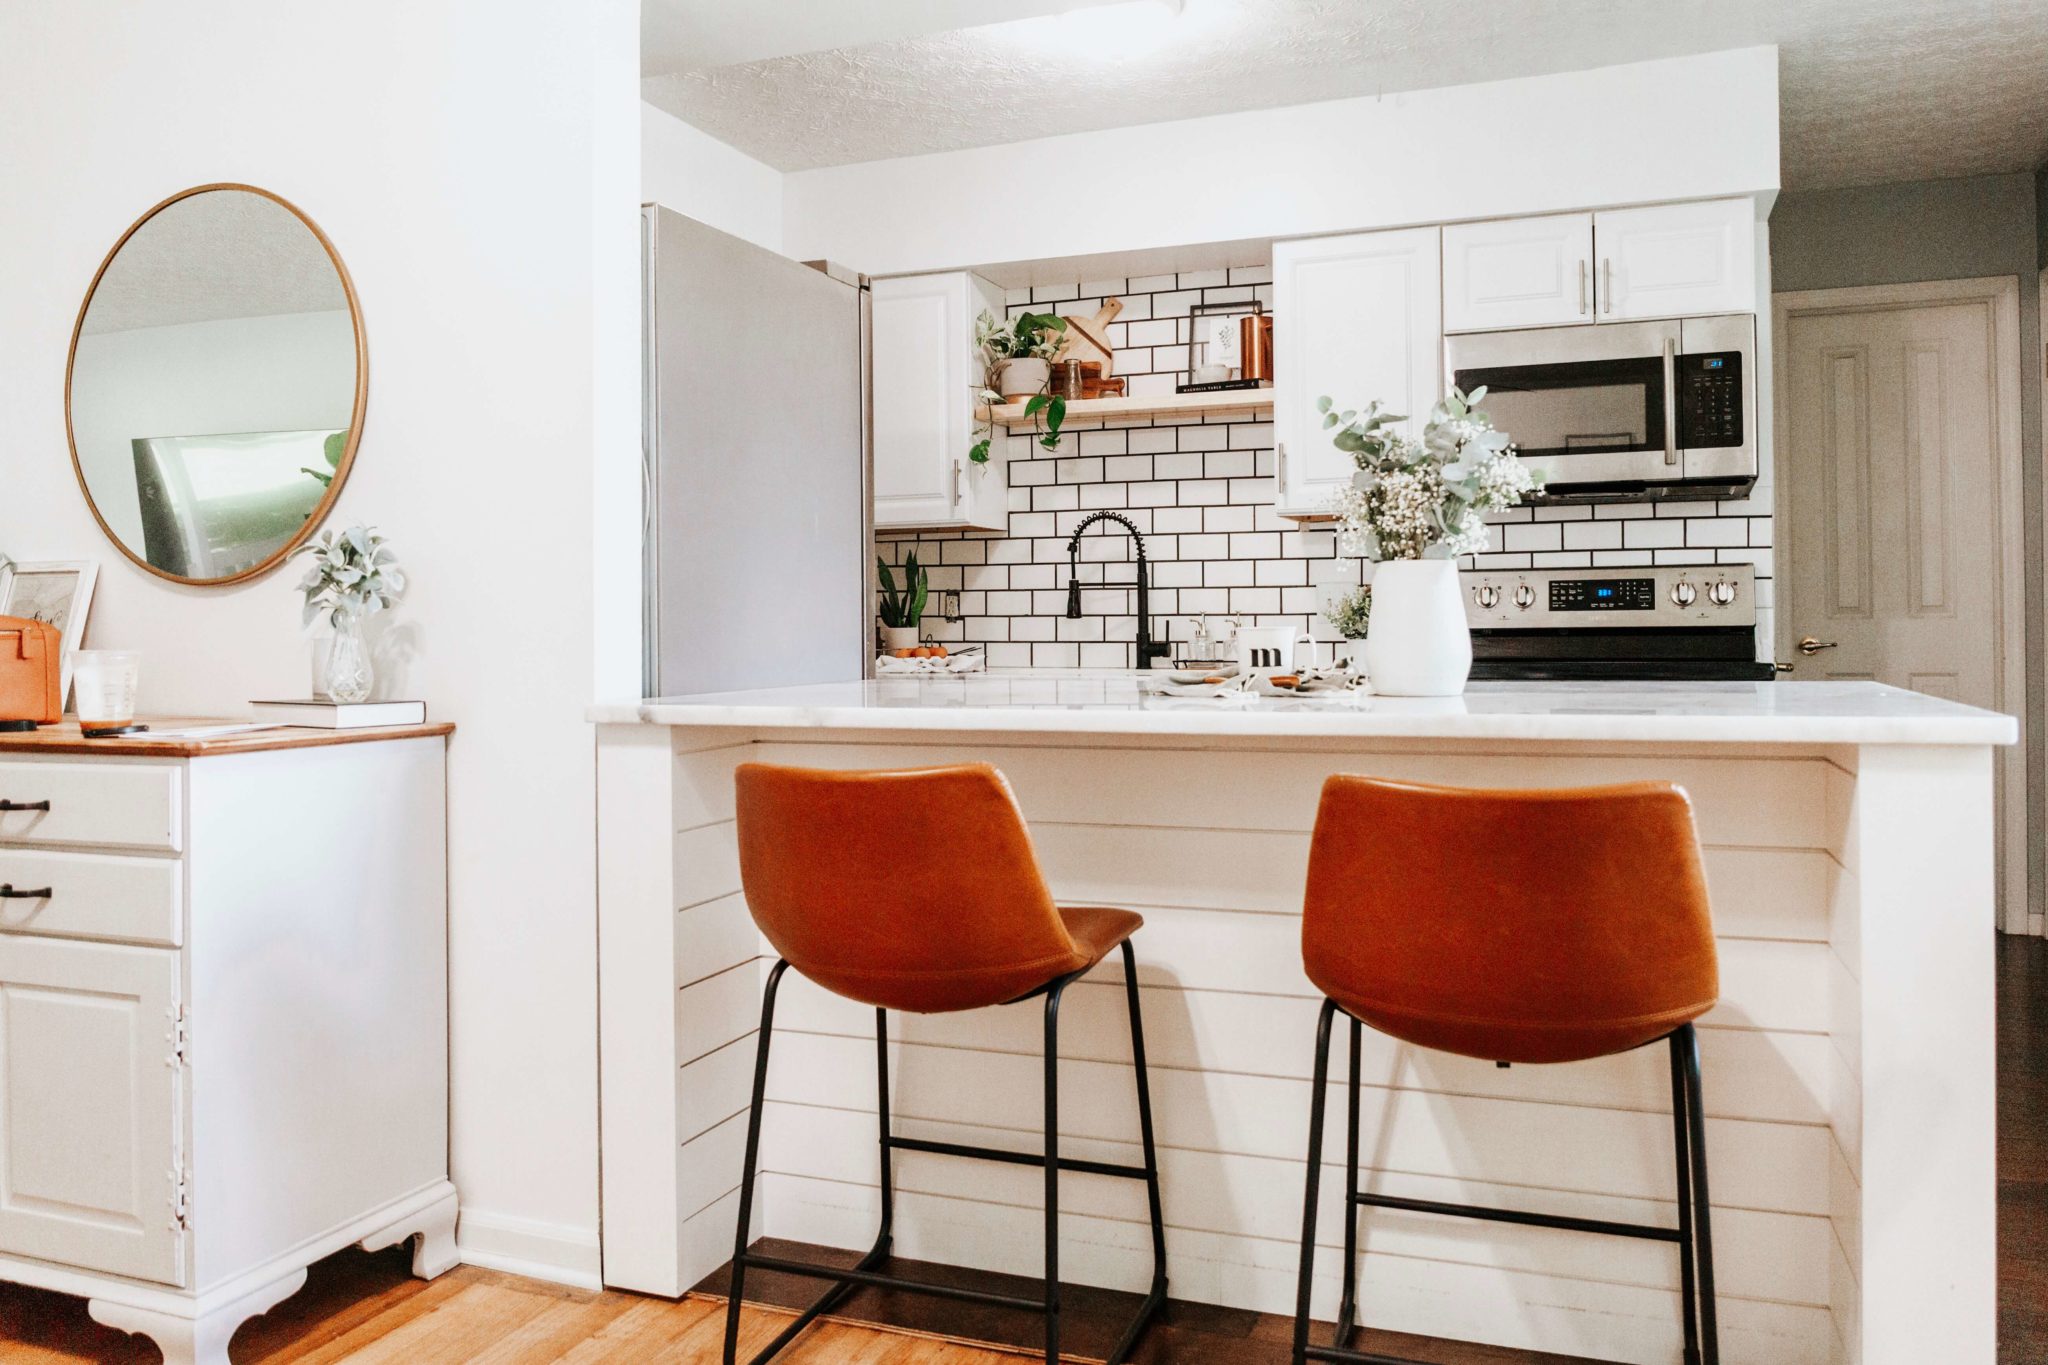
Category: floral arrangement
<point>1427,498</point>
<point>1034,336</point>
<point>1351,613</point>
<point>353,574</point>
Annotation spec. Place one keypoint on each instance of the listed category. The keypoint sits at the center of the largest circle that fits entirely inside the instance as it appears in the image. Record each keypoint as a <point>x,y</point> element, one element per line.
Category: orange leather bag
<point>30,673</point>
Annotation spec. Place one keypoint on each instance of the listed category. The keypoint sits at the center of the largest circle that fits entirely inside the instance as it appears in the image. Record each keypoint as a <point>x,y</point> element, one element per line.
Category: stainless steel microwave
<point>1623,411</point>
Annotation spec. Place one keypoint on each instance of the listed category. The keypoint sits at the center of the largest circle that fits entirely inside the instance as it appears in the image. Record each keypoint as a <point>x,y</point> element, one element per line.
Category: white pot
<point>1418,644</point>
<point>899,637</point>
<point>1024,377</point>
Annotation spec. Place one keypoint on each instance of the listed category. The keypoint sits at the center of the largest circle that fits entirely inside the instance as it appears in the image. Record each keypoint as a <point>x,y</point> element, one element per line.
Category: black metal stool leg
<point>1315,1172</point>
<point>887,1236</point>
<point>1681,1140</point>
<point>1347,1310</point>
<point>1052,1171</point>
<point>747,1171</point>
<point>1703,1223</point>
<point>1157,1295</point>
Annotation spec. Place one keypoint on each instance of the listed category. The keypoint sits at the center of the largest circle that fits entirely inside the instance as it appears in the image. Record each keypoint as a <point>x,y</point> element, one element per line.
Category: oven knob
<point>1525,596</point>
<point>1683,593</point>
<point>1487,596</point>
<point>1722,593</point>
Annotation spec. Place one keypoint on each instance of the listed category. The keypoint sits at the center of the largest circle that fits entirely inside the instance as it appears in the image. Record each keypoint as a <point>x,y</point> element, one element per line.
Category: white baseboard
<point>556,1252</point>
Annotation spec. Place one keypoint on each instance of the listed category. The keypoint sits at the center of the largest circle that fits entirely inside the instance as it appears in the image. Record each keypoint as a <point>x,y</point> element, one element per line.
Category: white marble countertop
<point>1069,701</point>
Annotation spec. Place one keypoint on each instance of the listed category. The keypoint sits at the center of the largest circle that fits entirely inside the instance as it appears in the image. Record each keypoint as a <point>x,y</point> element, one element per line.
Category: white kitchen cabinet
<point>1676,260</point>
<point>223,1018</point>
<point>1357,318</point>
<point>925,375</point>
<point>1554,270</point>
<point>1518,272</point>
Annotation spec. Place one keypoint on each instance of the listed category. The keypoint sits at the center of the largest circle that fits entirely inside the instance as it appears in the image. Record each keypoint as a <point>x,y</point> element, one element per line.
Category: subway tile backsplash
<point>1201,491</point>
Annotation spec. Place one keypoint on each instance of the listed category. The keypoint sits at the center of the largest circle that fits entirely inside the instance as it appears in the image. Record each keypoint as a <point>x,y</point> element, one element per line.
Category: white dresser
<point>223,1018</point>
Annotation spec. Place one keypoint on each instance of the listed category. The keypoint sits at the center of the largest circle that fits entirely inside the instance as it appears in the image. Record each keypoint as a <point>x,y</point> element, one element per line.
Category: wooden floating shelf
<point>1241,402</point>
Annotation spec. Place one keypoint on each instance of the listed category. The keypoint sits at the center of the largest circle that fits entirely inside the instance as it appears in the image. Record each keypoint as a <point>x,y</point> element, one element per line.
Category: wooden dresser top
<point>65,739</point>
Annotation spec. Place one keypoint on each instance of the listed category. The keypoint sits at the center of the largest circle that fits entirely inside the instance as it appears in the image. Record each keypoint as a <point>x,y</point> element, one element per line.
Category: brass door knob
<point>1810,646</point>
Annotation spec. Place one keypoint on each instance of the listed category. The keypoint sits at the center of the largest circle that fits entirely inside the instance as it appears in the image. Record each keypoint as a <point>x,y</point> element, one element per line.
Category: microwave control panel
<point>1710,400</point>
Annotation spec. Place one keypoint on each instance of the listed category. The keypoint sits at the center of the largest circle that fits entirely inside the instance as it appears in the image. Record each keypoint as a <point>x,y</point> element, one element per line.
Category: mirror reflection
<point>216,380</point>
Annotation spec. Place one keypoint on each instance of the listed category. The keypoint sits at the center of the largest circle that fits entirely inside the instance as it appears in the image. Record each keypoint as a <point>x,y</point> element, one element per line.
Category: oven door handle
<point>1670,400</point>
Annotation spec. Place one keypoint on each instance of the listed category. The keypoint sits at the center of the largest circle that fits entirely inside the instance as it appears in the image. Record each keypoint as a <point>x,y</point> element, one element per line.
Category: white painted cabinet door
<point>1518,272</point>
<point>89,1107</point>
<point>1356,318</point>
<point>1676,260</point>
<point>924,373</point>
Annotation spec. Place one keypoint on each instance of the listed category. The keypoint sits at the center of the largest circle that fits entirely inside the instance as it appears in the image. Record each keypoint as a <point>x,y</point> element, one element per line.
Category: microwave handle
<point>1670,400</point>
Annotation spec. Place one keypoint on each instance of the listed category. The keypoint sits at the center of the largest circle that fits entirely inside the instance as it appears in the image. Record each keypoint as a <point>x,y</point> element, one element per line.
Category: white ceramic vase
<point>1025,377</point>
<point>899,637</point>
<point>1418,644</point>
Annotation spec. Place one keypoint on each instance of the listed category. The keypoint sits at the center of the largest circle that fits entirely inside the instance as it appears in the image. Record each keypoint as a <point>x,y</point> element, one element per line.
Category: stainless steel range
<point>1691,623</point>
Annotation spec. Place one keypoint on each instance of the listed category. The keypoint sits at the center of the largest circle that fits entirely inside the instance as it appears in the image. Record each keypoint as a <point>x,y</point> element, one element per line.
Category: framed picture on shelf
<point>1217,356</point>
<point>57,593</point>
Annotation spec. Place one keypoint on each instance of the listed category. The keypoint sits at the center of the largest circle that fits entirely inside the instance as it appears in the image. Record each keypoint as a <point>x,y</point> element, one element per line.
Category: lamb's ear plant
<point>905,608</point>
<point>353,573</point>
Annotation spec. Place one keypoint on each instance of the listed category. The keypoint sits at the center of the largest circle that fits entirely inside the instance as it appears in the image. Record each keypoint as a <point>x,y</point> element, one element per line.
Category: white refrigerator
<point>758,525</point>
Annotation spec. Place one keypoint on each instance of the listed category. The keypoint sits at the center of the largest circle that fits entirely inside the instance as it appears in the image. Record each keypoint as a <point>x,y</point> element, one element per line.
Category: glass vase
<point>349,675</point>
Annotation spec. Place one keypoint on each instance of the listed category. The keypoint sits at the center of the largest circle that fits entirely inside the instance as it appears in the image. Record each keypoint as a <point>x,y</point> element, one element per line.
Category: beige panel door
<point>1901,550</point>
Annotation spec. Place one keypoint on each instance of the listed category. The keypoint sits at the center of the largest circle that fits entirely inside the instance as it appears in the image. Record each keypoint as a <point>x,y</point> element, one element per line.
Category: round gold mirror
<point>215,391</point>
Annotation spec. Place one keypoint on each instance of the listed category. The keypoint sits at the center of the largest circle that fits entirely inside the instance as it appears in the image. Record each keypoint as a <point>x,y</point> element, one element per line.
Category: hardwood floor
<point>368,1310</point>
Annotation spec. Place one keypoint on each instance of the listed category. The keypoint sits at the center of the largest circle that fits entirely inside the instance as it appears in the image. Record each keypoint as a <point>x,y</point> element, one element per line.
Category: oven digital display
<point>1603,594</point>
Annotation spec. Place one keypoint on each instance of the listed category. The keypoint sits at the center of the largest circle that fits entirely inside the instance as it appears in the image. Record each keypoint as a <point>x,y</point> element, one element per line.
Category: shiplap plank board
<point>1781,1077</point>
<point>707,864</point>
<point>714,936</point>
<point>1762,1254</point>
<point>703,784</point>
<point>1401,1293</point>
<point>715,1086</point>
<point>710,1164</point>
<point>1740,801</point>
<point>712,1012</point>
<point>1553,1146</point>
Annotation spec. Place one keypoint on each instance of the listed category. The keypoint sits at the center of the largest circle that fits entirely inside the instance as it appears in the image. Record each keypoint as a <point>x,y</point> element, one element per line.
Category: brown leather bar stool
<point>956,919</point>
<point>1514,926</point>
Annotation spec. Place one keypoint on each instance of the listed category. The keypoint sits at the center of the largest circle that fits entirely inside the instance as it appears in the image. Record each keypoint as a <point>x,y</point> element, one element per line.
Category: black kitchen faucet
<point>1147,651</point>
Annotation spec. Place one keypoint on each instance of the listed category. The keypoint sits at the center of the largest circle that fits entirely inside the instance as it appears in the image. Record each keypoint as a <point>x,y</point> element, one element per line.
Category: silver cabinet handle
<point>1670,400</point>
<point>1607,284</point>
<point>958,472</point>
<point>1582,286</point>
<point>1810,646</point>
<point>1280,470</point>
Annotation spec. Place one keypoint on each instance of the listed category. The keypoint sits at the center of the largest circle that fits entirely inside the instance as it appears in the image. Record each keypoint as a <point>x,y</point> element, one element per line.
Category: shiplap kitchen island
<point>1849,1067</point>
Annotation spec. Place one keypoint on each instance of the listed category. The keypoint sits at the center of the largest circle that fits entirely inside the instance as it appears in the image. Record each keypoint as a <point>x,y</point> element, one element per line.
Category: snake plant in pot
<point>902,611</point>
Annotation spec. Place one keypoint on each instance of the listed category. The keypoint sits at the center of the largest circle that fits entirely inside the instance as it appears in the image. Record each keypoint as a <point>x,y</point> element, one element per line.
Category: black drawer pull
<point>43,806</point>
<point>8,893</point>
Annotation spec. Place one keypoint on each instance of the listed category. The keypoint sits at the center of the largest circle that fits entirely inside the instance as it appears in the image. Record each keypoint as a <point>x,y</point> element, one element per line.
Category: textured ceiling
<point>1872,90</point>
<point>223,254</point>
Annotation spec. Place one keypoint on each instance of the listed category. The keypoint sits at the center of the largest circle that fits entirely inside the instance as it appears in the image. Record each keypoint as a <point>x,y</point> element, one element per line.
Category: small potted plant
<point>1413,507</point>
<point>1351,614</point>
<point>1016,361</point>
<point>353,575</point>
<point>902,611</point>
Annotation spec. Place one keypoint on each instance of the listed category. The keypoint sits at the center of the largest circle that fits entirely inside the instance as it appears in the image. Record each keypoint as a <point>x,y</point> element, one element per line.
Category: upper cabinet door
<point>1518,272</point>
<point>1676,260</point>
<point>924,377</point>
<point>1355,318</point>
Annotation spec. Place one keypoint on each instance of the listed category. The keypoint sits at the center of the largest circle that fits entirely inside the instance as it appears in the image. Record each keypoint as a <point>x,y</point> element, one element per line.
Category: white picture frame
<point>55,591</point>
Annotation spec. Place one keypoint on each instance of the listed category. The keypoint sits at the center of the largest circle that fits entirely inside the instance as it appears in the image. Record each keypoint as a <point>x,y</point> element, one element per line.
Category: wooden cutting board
<point>1088,338</point>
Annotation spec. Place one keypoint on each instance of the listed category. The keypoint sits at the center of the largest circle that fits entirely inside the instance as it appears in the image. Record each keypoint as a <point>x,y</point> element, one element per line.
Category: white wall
<point>475,162</point>
<point>1686,128</point>
<point>283,372</point>
<point>698,176</point>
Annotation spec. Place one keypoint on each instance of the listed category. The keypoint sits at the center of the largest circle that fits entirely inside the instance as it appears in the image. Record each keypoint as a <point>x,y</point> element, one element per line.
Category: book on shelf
<point>323,714</point>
